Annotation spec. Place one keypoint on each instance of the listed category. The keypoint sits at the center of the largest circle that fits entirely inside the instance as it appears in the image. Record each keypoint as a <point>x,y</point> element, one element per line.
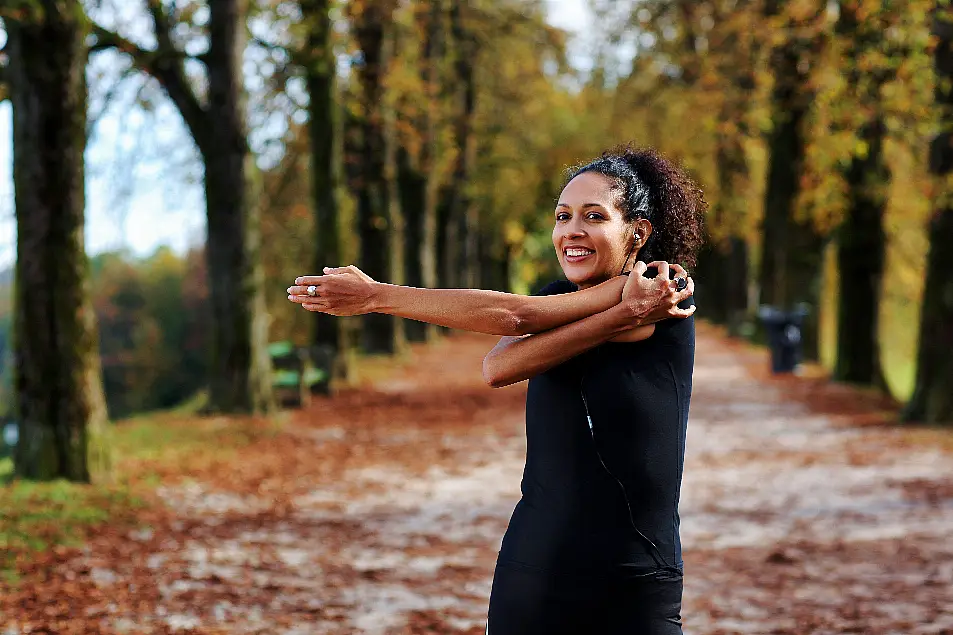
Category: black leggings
<point>525,601</point>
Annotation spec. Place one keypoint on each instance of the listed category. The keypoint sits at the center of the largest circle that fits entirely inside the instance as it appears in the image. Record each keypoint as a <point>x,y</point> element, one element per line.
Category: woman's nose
<point>575,232</point>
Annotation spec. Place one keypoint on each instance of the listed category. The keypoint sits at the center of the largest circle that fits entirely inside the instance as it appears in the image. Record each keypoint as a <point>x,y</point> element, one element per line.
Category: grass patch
<point>168,443</point>
<point>149,450</point>
<point>38,517</point>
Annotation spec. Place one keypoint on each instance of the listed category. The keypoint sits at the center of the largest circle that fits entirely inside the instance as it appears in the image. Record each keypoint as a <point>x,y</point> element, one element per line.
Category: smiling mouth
<point>577,255</point>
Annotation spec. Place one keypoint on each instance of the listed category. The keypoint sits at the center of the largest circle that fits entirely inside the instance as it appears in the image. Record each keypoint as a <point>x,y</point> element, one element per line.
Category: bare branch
<point>165,64</point>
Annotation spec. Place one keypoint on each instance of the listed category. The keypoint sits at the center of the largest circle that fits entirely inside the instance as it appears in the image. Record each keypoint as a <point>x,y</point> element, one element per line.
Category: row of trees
<point>358,148</point>
<point>428,146</point>
<point>806,106</point>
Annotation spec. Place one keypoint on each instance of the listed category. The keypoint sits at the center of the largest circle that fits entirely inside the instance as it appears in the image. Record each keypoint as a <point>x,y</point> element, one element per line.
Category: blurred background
<point>168,167</point>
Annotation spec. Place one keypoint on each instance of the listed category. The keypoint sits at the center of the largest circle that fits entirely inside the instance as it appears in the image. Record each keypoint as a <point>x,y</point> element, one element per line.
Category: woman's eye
<point>596,215</point>
<point>562,216</point>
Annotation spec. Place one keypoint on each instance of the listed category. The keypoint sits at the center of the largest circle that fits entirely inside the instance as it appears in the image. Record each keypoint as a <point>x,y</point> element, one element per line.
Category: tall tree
<point>324,131</point>
<point>60,403</point>
<point>932,399</point>
<point>461,264</point>
<point>861,239</point>
<point>240,372</point>
<point>418,173</point>
<point>736,48</point>
<point>372,22</point>
<point>792,249</point>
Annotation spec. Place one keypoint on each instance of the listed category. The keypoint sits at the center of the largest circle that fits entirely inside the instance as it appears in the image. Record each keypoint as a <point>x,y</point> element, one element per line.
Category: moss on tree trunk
<point>59,404</point>
<point>932,399</point>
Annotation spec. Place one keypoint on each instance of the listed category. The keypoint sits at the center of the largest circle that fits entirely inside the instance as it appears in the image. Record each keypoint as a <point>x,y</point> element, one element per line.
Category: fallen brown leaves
<point>380,509</point>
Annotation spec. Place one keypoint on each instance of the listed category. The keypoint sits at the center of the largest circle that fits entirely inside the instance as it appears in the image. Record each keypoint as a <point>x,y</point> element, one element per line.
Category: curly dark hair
<point>652,187</point>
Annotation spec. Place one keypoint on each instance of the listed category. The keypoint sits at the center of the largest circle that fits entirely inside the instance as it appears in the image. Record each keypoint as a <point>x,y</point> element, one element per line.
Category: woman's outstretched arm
<point>349,291</point>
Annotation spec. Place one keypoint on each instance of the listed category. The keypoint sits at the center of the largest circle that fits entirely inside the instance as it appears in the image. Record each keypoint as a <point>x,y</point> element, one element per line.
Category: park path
<point>380,511</point>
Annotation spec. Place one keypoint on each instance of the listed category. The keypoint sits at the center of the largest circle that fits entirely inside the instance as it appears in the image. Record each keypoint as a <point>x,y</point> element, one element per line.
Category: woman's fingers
<point>687,292</point>
<point>662,268</point>
<point>683,313</point>
<point>303,290</point>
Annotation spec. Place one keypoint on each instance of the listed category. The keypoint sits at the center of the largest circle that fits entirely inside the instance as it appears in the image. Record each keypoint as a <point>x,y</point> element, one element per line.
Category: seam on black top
<point>678,490</point>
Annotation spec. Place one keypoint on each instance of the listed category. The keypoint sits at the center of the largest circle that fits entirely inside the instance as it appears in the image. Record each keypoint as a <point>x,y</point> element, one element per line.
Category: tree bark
<point>413,195</point>
<point>932,400</point>
<point>419,182</point>
<point>792,250</point>
<point>325,132</point>
<point>462,264</point>
<point>379,333</point>
<point>861,253</point>
<point>241,369</point>
<point>862,242</point>
<point>728,255</point>
<point>396,235</point>
<point>59,396</point>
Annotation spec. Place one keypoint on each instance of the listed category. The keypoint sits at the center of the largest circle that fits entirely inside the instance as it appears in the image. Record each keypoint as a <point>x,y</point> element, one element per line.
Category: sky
<point>133,200</point>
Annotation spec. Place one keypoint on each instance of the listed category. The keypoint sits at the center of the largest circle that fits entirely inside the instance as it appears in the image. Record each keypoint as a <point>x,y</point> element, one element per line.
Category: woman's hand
<point>651,300</point>
<point>341,291</point>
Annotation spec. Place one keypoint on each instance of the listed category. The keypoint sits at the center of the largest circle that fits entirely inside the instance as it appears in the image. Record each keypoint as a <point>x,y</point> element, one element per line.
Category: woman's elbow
<point>521,321</point>
<point>492,374</point>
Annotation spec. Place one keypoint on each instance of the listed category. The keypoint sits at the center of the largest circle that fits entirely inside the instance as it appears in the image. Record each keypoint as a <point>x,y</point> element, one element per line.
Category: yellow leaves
<point>861,148</point>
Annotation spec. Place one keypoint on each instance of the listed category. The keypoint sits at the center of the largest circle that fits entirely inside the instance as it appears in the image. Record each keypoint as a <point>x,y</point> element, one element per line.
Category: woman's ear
<point>643,229</point>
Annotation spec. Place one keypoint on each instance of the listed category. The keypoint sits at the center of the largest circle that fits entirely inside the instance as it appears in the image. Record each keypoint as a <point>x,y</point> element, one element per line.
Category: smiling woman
<point>593,546</point>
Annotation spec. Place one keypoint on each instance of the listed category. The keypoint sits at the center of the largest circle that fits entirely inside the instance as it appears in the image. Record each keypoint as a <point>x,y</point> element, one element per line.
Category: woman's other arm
<point>515,359</point>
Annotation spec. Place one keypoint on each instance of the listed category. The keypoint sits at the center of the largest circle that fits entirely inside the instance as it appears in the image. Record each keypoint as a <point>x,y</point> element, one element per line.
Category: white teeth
<point>578,252</point>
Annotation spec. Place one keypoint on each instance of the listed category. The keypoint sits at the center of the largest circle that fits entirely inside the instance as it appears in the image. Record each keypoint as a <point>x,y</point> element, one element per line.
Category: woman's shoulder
<point>558,286</point>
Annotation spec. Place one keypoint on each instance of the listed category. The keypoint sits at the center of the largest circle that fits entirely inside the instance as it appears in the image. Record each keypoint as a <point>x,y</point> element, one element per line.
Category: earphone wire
<point>629,255</point>
<point>660,560</point>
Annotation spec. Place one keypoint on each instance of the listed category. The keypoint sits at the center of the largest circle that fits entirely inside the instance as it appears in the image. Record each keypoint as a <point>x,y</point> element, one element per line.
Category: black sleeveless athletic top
<point>574,515</point>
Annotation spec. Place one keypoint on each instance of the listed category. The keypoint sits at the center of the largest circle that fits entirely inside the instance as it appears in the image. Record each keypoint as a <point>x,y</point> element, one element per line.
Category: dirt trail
<point>380,511</point>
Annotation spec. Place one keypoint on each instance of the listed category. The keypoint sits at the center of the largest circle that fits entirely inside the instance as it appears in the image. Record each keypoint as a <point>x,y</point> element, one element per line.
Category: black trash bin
<point>784,336</point>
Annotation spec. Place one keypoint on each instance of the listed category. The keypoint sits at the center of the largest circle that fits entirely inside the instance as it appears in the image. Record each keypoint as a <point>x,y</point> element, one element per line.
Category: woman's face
<point>590,234</point>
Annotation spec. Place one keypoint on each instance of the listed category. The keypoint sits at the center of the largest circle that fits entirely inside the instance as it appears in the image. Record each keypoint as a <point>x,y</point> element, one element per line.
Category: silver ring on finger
<point>312,290</point>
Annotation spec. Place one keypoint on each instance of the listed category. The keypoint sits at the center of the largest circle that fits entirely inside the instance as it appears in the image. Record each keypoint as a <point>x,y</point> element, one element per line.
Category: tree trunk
<point>241,369</point>
<point>728,256</point>
<point>379,333</point>
<point>494,258</point>
<point>932,400</point>
<point>792,249</point>
<point>59,396</point>
<point>861,253</point>
<point>463,238</point>
<point>862,242</point>
<point>413,195</point>
<point>325,132</point>
<point>419,182</point>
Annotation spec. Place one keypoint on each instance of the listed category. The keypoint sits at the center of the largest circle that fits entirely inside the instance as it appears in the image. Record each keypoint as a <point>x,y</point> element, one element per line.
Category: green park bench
<point>299,372</point>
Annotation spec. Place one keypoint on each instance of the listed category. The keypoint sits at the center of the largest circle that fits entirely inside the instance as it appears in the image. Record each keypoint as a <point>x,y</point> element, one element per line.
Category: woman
<point>593,545</point>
